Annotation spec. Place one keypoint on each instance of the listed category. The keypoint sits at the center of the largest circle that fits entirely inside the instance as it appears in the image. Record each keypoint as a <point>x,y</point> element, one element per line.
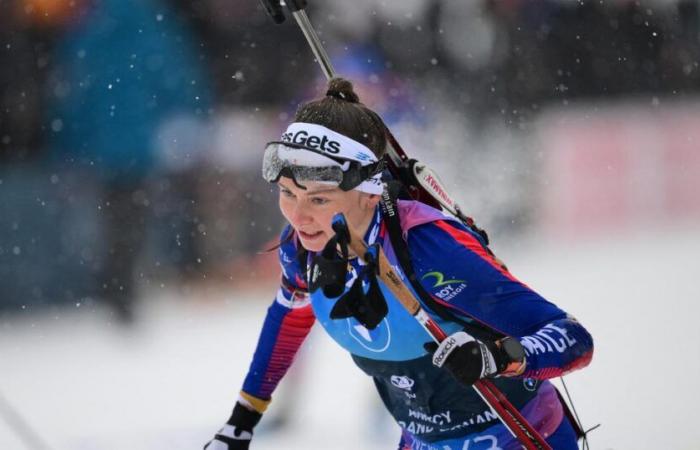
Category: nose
<point>301,215</point>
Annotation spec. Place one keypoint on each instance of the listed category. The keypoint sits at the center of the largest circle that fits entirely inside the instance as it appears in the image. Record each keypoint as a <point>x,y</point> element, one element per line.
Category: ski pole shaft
<point>397,156</point>
<point>396,153</point>
<point>398,159</point>
<point>509,415</point>
<point>14,420</point>
<point>314,42</point>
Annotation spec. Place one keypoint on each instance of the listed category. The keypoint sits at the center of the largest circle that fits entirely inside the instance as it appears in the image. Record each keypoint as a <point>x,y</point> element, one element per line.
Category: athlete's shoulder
<point>413,213</point>
<point>444,233</point>
<point>452,246</point>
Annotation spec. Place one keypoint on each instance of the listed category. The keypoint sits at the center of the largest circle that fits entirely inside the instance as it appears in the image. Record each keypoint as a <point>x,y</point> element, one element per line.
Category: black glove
<point>469,360</point>
<point>237,432</point>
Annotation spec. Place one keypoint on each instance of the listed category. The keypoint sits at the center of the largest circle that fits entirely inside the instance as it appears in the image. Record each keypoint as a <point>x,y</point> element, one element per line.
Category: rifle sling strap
<point>391,216</point>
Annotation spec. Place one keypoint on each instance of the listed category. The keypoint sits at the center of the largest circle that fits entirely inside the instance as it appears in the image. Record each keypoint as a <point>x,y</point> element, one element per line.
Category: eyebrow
<point>322,190</point>
<point>313,191</point>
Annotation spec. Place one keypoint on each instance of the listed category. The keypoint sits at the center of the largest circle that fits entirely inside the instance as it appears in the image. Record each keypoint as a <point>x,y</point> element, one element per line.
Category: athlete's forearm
<point>559,347</point>
<point>283,332</point>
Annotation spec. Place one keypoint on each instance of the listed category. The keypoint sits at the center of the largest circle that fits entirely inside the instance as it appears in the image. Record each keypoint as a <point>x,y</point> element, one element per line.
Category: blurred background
<point>134,221</point>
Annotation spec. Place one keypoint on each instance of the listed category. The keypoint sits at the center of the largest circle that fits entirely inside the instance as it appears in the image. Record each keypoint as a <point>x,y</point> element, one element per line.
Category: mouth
<point>310,236</point>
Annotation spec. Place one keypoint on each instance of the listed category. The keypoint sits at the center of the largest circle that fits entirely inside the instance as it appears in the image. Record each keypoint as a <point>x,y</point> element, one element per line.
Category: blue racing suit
<point>433,409</point>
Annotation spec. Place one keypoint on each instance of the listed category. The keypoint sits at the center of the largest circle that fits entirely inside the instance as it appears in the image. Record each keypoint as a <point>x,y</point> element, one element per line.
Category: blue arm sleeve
<point>467,279</point>
<point>289,320</point>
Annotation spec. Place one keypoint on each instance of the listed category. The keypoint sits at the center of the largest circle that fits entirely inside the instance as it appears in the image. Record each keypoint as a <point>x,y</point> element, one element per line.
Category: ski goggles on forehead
<point>303,164</point>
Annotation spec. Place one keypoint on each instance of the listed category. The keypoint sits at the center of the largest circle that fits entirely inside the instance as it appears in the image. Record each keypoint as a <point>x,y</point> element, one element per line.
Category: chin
<point>315,244</point>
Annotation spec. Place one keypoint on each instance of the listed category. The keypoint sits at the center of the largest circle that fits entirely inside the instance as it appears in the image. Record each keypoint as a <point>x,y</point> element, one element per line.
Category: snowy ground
<point>83,384</point>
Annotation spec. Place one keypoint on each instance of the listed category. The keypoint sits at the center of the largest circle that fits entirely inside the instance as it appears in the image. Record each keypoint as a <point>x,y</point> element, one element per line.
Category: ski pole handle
<point>274,10</point>
<point>509,415</point>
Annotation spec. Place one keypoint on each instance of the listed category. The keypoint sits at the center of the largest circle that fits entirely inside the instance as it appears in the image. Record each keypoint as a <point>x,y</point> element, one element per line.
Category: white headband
<point>335,144</point>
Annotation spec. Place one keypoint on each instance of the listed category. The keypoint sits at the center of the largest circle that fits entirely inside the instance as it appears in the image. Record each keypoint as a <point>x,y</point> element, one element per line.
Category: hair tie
<point>337,94</point>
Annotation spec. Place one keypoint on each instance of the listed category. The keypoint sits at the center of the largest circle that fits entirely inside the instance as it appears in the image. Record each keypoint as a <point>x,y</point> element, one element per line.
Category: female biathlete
<point>329,161</point>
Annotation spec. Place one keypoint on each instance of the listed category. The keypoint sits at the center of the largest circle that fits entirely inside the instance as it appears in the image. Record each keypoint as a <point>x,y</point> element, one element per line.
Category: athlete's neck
<point>364,227</point>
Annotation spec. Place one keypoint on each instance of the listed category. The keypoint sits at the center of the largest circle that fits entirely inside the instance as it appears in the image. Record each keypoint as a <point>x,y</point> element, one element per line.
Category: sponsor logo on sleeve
<point>445,289</point>
<point>549,339</point>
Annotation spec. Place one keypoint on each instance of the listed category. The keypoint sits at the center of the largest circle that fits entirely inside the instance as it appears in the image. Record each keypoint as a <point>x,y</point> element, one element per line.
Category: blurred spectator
<point>255,62</point>
<point>25,37</point>
<point>509,58</point>
<point>121,71</point>
<point>235,219</point>
<point>116,91</point>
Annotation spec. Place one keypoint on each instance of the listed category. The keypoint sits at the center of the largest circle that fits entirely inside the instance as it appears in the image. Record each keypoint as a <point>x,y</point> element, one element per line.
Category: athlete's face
<point>311,211</point>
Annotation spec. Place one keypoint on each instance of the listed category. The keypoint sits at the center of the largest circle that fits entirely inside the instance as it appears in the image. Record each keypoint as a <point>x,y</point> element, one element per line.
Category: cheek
<point>346,207</point>
<point>323,217</point>
<point>286,208</point>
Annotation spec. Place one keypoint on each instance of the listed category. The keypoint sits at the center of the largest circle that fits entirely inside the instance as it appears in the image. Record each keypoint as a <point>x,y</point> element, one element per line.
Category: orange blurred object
<point>47,12</point>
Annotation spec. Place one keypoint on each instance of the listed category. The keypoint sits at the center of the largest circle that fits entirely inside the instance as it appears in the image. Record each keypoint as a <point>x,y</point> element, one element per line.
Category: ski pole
<point>423,183</point>
<point>14,420</point>
<point>509,415</point>
<point>428,188</point>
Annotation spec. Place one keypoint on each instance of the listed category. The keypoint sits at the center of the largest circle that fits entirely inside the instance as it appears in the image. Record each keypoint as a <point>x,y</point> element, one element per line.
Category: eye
<point>286,192</point>
<point>319,200</point>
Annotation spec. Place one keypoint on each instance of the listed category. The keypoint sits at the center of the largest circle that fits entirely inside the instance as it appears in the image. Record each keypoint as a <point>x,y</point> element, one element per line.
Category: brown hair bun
<point>341,111</point>
<point>342,89</point>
